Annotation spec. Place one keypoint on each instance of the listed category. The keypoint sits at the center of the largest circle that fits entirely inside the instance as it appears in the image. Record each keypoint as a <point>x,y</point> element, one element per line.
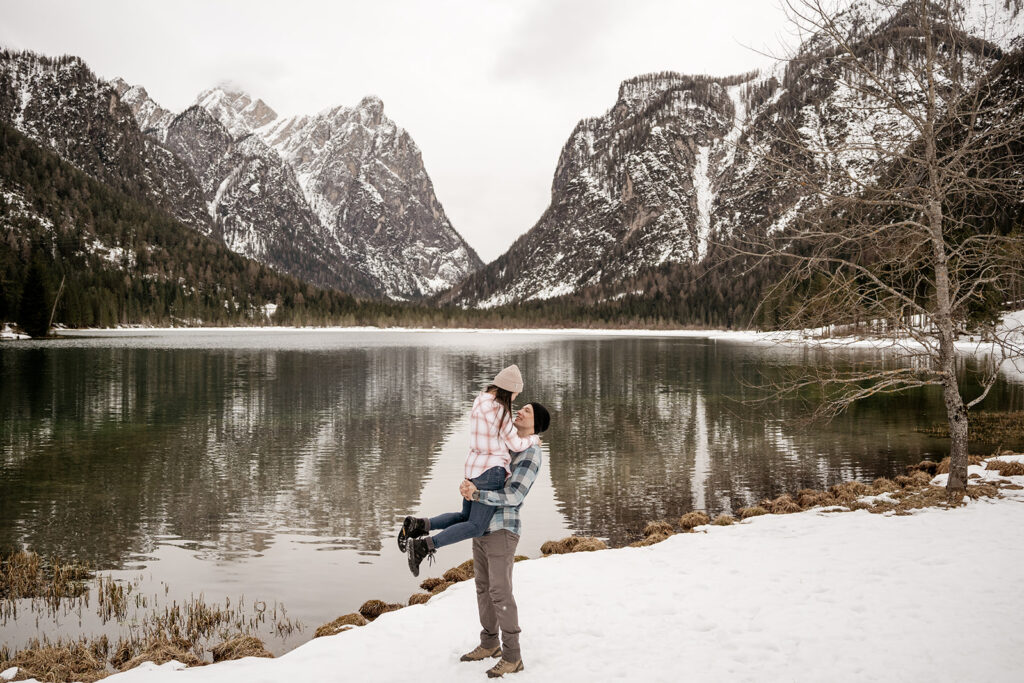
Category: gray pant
<point>493,557</point>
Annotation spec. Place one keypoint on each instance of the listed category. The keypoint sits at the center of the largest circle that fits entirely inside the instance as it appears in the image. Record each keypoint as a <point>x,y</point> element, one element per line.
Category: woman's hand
<point>466,488</point>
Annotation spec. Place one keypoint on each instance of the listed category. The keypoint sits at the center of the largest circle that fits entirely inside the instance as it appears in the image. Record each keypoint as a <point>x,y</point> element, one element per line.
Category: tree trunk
<point>956,414</point>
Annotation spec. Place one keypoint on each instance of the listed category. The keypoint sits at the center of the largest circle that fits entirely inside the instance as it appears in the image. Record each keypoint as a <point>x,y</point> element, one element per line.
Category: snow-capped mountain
<point>61,104</point>
<point>364,177</point>
<point>346,187</point>
<point>680,162</point>
<point>255,204</point>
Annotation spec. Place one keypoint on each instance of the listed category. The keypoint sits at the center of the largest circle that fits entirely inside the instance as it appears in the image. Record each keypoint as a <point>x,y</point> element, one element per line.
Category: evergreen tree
<point>34,311</point>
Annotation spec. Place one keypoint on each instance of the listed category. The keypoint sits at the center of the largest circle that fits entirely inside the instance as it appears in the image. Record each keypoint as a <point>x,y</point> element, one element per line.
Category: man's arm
<point>517,485</point>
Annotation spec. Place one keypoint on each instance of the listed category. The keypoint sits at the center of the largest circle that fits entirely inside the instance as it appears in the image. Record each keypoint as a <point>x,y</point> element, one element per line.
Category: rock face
<point>346,188</point>
<point>255,204</point>
<point>61,104</point>
<point>680,162</point>
<point>364,177</point>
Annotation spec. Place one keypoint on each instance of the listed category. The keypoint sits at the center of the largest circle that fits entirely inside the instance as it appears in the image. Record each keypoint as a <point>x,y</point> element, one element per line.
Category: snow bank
<point>6,332</point>
<point>811,596</point>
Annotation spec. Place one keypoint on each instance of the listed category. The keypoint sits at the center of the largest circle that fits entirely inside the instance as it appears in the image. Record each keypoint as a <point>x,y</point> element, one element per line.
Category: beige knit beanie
<point>509,379</point>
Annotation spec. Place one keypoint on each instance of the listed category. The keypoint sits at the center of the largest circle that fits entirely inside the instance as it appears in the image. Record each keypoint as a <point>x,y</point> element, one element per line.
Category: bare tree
<point>909,218</point>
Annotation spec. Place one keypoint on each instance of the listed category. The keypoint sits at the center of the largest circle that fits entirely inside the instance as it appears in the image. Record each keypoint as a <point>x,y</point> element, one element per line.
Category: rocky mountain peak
<point>236,109</point>
<point>371,110</point>
<point>148,114</point>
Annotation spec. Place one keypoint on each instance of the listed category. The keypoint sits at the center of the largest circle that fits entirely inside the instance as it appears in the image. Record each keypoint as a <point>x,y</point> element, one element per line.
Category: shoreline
<point>662,553</point>
<point>781,596</point>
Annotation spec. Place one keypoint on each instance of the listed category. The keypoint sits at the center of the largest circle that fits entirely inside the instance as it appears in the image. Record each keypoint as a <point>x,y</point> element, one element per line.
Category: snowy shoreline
<point>810,596</point>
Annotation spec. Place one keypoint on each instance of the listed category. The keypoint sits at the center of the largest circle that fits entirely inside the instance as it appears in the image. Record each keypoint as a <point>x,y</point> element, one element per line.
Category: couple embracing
<point>503,462</point>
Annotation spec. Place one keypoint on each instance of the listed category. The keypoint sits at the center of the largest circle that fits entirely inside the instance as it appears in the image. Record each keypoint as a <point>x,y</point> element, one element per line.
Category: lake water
<point>278,464</point>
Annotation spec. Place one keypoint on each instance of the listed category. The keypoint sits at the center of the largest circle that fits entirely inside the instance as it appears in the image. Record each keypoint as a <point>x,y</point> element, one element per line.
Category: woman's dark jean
<point>474,518</point>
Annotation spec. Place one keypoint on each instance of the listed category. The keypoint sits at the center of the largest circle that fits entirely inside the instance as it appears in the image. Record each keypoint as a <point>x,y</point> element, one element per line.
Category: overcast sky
<point>489,90</point>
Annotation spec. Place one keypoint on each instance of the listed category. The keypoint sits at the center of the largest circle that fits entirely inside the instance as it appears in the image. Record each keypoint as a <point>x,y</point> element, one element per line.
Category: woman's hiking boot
<point>481,652</point>
<point>412,527</point>
<point>419,548</point>
<point>504,667</point>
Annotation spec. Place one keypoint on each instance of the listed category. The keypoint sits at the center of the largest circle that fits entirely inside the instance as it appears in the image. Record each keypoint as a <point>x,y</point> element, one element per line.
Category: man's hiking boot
<point>504,667</point>
<point>481,652</point>
<point>419,548</point>
<point>412,527</point>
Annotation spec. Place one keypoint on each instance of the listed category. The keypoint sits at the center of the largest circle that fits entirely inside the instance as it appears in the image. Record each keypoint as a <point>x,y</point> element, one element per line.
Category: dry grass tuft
<point>371,609</point>
<point>658,529</point>
<point>754,511</point>
<point>783,505</point>
<point>903,481</point>
<point>431,583</point>
<point>518,558</point>
<point>239,647</point>
<point>927,466</point>
<point>812,498</point>
<point>884,485</point>
<point>419,598</point>
<point>849,491</point>
<point>342,623</point>
<point>163,650</point>
<point>921,478</point>
<point>60,662</point>
<point>649,540</point>
<point>442,587</point>
<point>978,490</point>
<point>693,519</point>
<point>455,575</point>
<point>723,520</point>
<point>24,574</point>
<point>1005,468</point>
<point>573,544</point>
<point>943,467</point>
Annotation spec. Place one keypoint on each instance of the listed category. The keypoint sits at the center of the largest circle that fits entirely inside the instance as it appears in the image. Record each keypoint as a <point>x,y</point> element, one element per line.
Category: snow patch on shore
<point>807,596</point>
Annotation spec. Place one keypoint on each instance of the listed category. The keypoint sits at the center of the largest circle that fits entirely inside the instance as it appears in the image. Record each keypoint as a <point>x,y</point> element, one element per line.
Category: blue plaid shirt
<point>525,466</point>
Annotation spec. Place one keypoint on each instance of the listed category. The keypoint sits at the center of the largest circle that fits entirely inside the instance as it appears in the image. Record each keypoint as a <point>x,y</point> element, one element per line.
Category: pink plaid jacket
<point>490,446</point>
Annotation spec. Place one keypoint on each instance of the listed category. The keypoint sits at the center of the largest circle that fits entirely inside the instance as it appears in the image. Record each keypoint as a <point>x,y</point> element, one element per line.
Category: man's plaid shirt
<point>525,466</point>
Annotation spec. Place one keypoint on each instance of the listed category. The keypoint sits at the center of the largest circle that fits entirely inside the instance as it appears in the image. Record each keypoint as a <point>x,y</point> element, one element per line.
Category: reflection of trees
<point>105,448</point>
<point>648,429</point>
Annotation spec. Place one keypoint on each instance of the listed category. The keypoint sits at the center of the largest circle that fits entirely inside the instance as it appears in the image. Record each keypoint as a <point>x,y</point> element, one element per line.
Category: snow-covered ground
<point>813,596</point>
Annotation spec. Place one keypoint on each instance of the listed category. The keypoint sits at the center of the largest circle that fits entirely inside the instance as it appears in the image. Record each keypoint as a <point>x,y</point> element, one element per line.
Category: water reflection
<point>277,464</point>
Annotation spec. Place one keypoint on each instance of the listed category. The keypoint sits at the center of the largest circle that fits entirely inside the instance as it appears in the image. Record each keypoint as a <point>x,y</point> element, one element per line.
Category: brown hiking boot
<point>504,667</point>
<point>481,652</point>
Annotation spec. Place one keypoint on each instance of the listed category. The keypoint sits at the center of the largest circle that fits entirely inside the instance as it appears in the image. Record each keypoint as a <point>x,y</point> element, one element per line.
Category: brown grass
<point>371,609</point>
<point>59,662</point>
<point>849,491</point>
<point>463,572</point>
<point>1006,468</point>
<point>239,647</point>
<point>342,623</point>
<point>163,650</point>
<point>723,520</point>
<point>926,466</point>
<point>754,511</point>
<point>783,505</point>
<point>650,540</point>
<point>520,558</point>
<point>573,544</point>
<point>658,529</point>
<point>419,598</point>
<point>943,467</point>
<point>429,584</point>
<point>442,587</point>
<point>693,519</point>
<point>812,498</point>
<point>25,574</point>
<point>884,485</point>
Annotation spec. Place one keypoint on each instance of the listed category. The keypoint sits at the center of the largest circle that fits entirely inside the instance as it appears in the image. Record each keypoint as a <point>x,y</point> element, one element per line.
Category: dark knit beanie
<point>541,418</point>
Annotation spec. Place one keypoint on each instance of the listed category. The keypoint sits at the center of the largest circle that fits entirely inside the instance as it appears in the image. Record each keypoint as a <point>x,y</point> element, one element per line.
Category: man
<point>494,553</point>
